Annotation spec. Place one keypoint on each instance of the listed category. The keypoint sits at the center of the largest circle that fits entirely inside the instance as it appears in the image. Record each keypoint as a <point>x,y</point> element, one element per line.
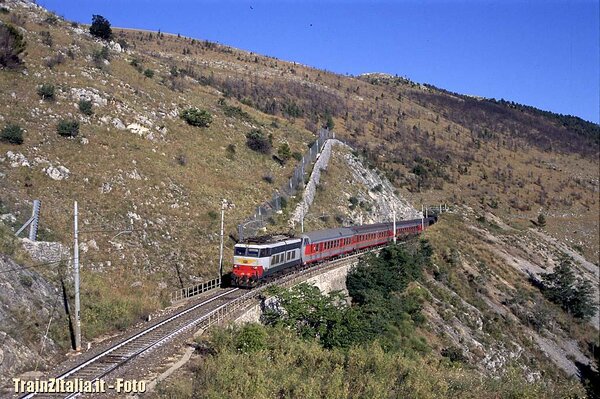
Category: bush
<point>12,45</point>
<point>51,19</point>
<point>251,338</point>
<point>85,107</point>
<point>230,150</point>
<point>12,134</point>
<point>297,156</point>
<point>46,38</point>
<point>284,153</point>
<point>149,73</point>
<point>329,123</point>
<point>196,117</point>
<point>46,91</point>
<point>26,280</point>
<point>257,141</point>
<point>541,220</point>
<point>54,60</point>
<point>68,128</point>
<point>100,27</point>
<point>137,64</point>
<point>574,294</point>
<point>102,54</point>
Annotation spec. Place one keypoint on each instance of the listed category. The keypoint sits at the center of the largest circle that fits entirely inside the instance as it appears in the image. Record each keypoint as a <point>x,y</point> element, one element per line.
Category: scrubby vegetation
<point>46,91</point>
<point>257,140</point>
<point>12,44</point>
<point>12,134</point>
<point>574,294</point>
<point>68,128</point>
<point>318,346</point>
<point>196,117</point>
<point>85,107</point>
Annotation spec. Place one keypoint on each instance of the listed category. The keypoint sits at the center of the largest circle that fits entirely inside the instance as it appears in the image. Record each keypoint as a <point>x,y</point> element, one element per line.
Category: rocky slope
<point>149,186</point>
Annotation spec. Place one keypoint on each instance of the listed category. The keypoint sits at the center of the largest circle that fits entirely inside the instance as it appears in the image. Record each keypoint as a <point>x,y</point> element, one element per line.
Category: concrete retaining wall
<point>332,280</point>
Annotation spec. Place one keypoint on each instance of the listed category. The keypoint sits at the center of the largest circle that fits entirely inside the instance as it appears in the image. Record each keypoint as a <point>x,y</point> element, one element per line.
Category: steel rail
<point>135,337</point>
<point>286,280</point>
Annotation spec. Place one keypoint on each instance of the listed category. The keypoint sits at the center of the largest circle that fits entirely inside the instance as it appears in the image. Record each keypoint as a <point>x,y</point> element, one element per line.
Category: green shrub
<point>329,123</point>
<point>46,91</point>
<point>26,280</point>
<point>100,27</point>
<point>230,150</point>
<point>284,153</point>
<point>149,73</point>
<point>251,338</point>
<point>196,117</point>
<point>101,54</point>
<point>46,38</point>
<point>68,128</point>
<point>51,19</point>
<point>12,44</point>
<point>541,220</point>
<point>85,107</point>
<point>12,134</point>
<point>137,64</point>
<point>297,156</point>
<point>257,141</point>
<point>573,293</point>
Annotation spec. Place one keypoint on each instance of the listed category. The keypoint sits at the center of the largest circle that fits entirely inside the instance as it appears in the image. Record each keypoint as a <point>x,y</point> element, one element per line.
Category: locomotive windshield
<point>251,252</point>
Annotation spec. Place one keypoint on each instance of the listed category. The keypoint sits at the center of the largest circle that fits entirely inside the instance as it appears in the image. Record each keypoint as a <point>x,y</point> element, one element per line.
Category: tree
<point>575,295</point>
<point>100,27</point>
<point>12,134</point>
<point>329,123</point>
<point>12,45</point>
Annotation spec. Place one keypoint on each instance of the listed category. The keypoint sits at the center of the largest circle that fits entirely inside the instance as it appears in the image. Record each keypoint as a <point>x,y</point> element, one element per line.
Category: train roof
<point>329,234</point>
<point>368,228</point>
<point>267,239</point>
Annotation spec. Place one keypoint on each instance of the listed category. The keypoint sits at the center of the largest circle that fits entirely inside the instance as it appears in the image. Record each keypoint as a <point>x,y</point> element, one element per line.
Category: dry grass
<point>175,240</point>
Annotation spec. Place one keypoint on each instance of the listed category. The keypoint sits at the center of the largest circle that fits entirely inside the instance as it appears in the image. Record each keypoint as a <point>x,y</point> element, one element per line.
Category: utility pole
<point>302,220</point>
<point>223,205</point>
<point>422,218</point>
<point>394,213</point>
<point>76,278</point>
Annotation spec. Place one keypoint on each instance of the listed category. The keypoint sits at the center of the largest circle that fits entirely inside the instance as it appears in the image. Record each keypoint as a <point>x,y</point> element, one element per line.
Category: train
<point>259,258</point>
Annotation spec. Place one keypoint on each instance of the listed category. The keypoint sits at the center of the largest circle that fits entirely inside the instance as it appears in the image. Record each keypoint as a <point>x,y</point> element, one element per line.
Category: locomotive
<point>258,258</point>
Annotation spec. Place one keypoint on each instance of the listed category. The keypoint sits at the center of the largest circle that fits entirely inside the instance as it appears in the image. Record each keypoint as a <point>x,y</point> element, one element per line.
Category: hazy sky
<point>543,53</point>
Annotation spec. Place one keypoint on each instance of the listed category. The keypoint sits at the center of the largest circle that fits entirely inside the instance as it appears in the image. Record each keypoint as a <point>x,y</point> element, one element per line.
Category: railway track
<point>210,310</point>
<point>142,342</point>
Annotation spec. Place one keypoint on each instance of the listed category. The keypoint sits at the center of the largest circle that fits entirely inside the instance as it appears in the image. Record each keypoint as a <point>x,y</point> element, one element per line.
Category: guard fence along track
<point>213,310</point>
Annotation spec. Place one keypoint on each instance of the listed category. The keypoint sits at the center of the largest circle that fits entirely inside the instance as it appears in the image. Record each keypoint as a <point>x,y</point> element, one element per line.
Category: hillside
<point>150,186</point>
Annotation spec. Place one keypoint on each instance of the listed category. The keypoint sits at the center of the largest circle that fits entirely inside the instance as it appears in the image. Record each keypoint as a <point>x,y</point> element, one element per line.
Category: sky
<point>544,53</point>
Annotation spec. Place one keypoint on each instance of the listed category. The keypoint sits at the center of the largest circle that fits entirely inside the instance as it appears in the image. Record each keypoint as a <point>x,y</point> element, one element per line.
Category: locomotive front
<point>259,257</point>
<point>249,264</point>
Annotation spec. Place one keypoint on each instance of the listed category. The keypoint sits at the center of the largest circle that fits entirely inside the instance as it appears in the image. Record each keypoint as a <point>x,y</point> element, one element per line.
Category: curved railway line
<point>212,309</point>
